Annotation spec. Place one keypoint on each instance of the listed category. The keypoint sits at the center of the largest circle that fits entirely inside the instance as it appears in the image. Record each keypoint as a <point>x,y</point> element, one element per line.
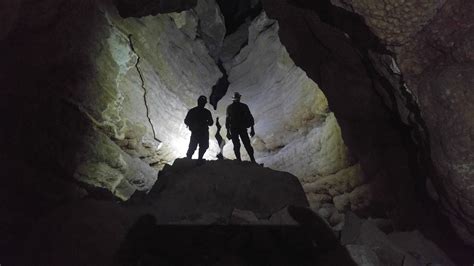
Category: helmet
<point>202,100</point>
<point>236,96</point>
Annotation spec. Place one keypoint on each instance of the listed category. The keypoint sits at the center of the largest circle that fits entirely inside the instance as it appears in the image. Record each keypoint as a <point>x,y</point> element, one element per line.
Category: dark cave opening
<point>236,12</point>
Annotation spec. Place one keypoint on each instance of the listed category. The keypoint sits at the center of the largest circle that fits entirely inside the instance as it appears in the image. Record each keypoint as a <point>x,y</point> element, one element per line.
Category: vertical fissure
<point>220,88</point>
<point>145,91</point>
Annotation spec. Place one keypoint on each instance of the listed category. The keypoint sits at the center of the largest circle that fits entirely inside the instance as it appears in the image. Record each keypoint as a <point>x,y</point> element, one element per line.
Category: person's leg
<point>246,141</point>
<point>236,142</point>
<point>203,143</point>
<point>193,142</point>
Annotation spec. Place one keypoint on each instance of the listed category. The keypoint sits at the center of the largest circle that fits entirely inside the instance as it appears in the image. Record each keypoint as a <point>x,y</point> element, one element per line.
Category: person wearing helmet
<point>198,119</point>
<point>237,121</point>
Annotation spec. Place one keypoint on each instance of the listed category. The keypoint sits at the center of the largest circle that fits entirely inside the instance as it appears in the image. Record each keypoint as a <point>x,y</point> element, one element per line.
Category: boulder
<point>423,250</point>
<point>186,190</point>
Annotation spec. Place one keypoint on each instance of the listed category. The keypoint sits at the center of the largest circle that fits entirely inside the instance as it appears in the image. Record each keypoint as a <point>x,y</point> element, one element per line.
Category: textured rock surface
<point>323,52</point>
<point>234,42</point>
<point>365,242</point>
<point>120,89</point>
<point>92,232</point>
<point>211,26</point>
<point>295,131</point>
<point>395,21</point>
<point>220,187</point>
<point>435,48</point>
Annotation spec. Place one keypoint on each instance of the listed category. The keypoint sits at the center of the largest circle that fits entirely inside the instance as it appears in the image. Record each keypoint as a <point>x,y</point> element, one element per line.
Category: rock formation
<point>295,130</point>
<point>367,103</point>
<point>223,210</point>
<point>425,59</point>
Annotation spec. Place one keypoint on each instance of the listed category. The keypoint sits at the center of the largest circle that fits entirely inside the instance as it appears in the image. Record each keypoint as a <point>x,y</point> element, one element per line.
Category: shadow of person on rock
<point>312,242</point>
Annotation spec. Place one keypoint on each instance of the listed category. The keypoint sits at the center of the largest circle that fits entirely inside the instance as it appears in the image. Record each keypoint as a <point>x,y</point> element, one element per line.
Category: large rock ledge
<point>214,214</point>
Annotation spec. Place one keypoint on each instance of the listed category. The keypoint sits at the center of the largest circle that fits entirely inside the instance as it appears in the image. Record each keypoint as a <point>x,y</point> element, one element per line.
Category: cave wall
<point>92,102</point>
<point>128,81</point>
<point>423,50</point>
<point>434,54</point>
<point>104,97</point>
<point>295,130</point>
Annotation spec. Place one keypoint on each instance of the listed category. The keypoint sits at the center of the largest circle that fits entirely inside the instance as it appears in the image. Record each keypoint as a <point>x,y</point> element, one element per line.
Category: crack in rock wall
<point>295,130</point>
<point>112,94</point>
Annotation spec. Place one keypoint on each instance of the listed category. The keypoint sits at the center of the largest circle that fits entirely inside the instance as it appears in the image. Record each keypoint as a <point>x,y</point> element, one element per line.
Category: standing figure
<point>198,120</point>
<point>238,120</point>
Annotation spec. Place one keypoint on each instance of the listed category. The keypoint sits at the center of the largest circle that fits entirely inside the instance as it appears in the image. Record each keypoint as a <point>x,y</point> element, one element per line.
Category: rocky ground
<point>220,213</point>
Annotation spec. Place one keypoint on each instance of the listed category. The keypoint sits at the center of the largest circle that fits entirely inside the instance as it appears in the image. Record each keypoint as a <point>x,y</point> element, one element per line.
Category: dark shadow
<point>220,88</point>
<point>236,12</point>
<point>348,22</point>
<point>312,243</point>
<point>141,8</point>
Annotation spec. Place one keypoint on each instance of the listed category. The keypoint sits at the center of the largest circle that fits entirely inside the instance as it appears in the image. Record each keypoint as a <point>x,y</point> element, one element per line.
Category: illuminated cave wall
<point>103,98</point>
<point>295,130</point>
<point>76,102</point>
<point>113,93</point>
<point>154,69</point>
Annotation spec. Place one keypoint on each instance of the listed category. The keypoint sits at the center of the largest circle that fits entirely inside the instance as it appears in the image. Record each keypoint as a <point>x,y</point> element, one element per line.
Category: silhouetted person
<point>198,120</point>
<point>237,121</point>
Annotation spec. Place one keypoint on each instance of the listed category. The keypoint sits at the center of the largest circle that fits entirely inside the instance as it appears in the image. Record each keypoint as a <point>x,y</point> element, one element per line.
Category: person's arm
<point>210,122</point>
<point>252,132</point>
<point>227,123</point>
<point>252,122</point>
<point>186,119</point>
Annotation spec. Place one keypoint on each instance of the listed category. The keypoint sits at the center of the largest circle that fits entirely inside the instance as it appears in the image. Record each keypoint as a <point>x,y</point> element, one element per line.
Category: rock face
<point>116,104</point>
<point>417,79</point>
<point>295,130</point>
<point>217,188</point>
<point>370,246</point>
<point>92,232</point>
<point>211,27</point>
<point>395,21</point>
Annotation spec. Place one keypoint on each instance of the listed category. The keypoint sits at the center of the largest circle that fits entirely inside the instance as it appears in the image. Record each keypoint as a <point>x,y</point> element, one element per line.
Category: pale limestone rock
<point>342,202</point>
<point>295,131</point>
<point>102,163</point>
<point>316,200</point>
<point>148,73</point>
<point>211,26</point>
<point>187,22</point>
<point>357,199</point>
<point>339,183</point>
<point>234,43</point>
